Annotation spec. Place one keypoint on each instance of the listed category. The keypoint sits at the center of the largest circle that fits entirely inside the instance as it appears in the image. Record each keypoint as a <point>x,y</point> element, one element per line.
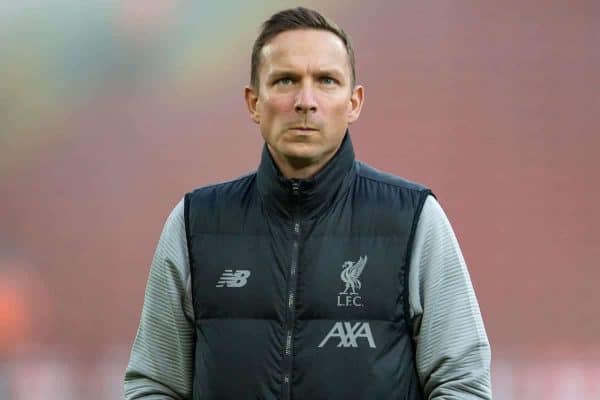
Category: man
<point>317,276</point>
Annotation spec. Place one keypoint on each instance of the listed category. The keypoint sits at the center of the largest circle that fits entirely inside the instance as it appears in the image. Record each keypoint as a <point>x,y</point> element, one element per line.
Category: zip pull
<point>295,187</point>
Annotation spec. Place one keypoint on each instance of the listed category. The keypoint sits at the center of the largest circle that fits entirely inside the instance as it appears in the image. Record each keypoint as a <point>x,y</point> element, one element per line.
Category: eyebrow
<point>281,73</point>
<point>278,73</point>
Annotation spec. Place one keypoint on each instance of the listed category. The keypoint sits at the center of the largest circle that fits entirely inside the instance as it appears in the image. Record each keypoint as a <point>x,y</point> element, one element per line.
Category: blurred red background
<point>110,113</point>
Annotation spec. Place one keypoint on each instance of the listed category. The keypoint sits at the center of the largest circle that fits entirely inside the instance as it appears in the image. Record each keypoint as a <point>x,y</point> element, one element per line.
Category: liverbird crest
<point>350,274</point>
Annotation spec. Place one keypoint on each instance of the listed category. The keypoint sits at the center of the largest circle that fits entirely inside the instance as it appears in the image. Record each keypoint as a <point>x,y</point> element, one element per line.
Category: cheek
<point>275,106</point>
<point>344,107</point>
<point>337,103</point>
<point>338,110</point>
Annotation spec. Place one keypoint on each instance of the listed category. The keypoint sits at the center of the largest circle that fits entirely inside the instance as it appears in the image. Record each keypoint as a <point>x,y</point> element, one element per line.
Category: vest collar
<point>306,198</point>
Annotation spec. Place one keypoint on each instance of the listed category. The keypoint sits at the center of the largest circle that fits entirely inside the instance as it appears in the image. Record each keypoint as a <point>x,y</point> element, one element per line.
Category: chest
<point>337,267</point>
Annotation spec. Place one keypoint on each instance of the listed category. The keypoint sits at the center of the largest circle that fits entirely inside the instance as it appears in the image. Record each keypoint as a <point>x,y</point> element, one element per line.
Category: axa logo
<point>237,278</point>
<point>350,274</point>
<point>349,333</point>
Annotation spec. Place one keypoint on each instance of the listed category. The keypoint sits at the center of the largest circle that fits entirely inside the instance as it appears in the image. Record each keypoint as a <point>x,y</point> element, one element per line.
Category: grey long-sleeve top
<point>452,349</point>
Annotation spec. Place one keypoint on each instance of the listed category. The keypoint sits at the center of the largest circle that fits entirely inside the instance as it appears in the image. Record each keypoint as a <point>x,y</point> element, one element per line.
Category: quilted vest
<point>300,287</point>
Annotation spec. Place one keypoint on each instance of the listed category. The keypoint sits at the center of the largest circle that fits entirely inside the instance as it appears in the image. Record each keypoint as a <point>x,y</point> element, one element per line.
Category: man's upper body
<point>452,355</point>
<point>309,204</point>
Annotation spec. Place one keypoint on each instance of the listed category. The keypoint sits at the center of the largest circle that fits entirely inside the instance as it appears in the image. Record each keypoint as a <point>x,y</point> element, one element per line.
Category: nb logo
<point>239,278</point>
<point>348,334</point>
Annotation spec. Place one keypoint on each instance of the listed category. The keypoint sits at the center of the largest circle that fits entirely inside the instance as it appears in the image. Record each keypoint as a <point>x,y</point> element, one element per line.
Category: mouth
<point>303,129</point>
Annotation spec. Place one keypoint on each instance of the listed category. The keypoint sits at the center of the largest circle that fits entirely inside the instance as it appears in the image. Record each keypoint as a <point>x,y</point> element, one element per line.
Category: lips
<point>302,128</point>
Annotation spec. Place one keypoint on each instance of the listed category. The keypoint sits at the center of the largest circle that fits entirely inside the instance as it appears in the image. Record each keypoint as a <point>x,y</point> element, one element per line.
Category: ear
<point>251,99</point>
<point>356,102</point>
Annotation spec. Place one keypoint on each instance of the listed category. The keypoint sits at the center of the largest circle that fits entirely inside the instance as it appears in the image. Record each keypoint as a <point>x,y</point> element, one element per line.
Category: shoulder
<point>390,203</point>
<point>433,215</point>
<point>434,228</point>
<point>369,173</point>
<point>219,195</point>
<point>373,184</point>
<point>222,204</point>
<point>222,188</point>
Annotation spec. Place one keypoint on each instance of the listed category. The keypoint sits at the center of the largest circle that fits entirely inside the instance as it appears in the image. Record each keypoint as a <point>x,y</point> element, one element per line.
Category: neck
<point>318,183</point>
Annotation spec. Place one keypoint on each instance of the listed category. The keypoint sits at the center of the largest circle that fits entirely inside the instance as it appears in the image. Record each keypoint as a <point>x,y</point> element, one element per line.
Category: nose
<point>305,101</point>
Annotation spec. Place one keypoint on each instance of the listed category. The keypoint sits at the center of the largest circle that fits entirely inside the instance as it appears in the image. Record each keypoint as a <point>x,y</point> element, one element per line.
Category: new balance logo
<point>239,278</point>
<point>348,334</point>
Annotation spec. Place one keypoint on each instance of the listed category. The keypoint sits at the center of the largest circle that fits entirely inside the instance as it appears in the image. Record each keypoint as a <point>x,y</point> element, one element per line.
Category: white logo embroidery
<point>348,334</point>
<point>350,275</point>
<point>239,278</point>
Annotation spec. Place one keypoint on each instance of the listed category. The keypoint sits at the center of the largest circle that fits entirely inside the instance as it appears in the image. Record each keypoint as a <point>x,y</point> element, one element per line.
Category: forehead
<point>302,48</point>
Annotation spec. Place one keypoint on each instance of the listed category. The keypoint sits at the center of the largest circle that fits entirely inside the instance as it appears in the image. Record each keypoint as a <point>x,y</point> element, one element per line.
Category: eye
<point>285,81</point>
<point>327,80</point>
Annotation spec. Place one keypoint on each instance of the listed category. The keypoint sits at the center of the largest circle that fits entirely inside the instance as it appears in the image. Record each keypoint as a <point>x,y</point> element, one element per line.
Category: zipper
<point>291,303</point>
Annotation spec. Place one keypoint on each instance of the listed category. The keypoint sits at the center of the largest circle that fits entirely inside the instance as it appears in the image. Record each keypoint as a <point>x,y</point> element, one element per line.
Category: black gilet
<point>300,287</point>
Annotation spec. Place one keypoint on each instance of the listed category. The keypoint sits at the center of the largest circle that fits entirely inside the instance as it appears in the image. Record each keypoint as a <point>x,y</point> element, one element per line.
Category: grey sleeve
<point>452,349</point>
<point>160,365</point>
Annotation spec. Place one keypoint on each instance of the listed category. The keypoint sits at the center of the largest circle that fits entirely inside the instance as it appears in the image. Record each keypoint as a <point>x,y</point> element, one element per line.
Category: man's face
<point>305,100</point>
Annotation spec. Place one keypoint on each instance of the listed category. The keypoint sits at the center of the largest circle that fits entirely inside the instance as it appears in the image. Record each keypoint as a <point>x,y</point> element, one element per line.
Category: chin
<point>301,151</point>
